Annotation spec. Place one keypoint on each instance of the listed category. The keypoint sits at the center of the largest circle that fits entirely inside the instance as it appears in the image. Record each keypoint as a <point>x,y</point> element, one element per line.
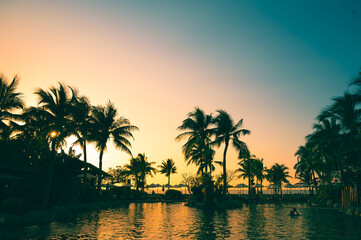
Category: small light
<point>53,134</point>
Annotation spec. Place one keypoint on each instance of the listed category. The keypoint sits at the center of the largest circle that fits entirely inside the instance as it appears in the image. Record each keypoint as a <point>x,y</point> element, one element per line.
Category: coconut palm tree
<point>139,168</point>
<point>227,132</point>
<point>198,132</point>
<point>247,168</point>
<point>81,112</point>
<point>259,171</point>
<point>327,138</point>
<point>105,126</point>
<point>10,100</point>
<point>277,175</point>
<point>344,110</point>
<point>310,163</point>
<point>168,167</point>
<point>55,105</point>
<point>338,140</point>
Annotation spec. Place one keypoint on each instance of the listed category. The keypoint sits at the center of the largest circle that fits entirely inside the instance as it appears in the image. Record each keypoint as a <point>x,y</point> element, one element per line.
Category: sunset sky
<point>275,64</point>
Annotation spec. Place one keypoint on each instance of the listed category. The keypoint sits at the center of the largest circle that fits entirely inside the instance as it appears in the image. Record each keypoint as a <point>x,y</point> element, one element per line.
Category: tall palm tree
<point>81,110</point>
<point>168,167</point>
<point>327,137</point>
<point>107,125</point>
<point>197,129</point>
<point>259,171</point>
<point>277,175</point>
<point>56,106</point>
<point>227,132</point>
<point>139,168</point>
<point>10,100</point>
<point>247,168</point>
<point>346,153</point>
<point>309,162</point>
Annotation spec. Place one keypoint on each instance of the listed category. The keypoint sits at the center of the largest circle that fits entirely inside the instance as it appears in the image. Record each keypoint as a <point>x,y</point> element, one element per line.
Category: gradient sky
<point>275,64</point>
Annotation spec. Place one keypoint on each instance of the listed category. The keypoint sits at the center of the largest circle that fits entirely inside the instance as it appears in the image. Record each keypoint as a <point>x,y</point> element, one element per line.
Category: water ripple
<point>176,221</point>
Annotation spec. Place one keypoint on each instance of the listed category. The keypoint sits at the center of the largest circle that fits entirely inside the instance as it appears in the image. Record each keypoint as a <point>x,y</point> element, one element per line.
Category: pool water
<point>176,221</point>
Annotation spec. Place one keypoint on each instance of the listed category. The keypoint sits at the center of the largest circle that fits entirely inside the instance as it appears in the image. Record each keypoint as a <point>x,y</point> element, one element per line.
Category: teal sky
<point>274,63</point>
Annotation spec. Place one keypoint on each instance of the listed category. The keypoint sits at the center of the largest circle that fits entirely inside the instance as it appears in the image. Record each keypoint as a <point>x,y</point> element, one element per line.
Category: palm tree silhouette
<point>247,168</point>
<point>277,175</point>
<point>10,100</point>
<point>226,131</point>
<point>55,104</point>
<point>139,168</point>
<point>168,167</point>
<point>106,125</point>
<point>345,111</point>
<point>309,164</point>
<point>198,131</point>
<point>81,112</point>
<point>259,172</point>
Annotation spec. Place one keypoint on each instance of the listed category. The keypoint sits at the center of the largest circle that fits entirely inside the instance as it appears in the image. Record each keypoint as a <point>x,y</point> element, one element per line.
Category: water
<point>176,221</point>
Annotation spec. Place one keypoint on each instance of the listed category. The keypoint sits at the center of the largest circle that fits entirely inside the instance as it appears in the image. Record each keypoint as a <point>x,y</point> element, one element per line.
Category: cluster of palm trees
<point>61,113</point>
<point>203,132</point>
<point>253,168</point>
<point>139,168</point>
<point>332,152</point>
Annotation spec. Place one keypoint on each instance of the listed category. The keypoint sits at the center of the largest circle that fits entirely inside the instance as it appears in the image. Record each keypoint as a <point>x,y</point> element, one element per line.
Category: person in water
<point>294,212</point>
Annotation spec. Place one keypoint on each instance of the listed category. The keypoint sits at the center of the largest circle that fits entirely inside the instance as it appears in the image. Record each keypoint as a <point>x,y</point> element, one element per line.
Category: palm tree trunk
<point>225,169</point>
<point>49,181</point>
<point>100,173</point>
<point>168,181</point>
<point>85,162</point>
<point>314,179</point>
<point>281,189</point>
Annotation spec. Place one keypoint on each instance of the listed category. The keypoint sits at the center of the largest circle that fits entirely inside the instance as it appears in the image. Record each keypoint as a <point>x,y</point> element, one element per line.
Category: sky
<point>274,64</point>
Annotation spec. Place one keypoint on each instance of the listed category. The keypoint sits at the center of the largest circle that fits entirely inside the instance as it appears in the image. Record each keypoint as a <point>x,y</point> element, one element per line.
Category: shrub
<point>329,191</point>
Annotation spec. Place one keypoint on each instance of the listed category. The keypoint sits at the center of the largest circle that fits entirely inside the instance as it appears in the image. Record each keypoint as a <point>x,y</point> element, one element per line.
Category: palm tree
<point>339,144</point>
<point>81,110</point>
<point>139,168</point>
<point>197,129</point>
<point>202,156</point>
<point>306,179</point>
<point>56,107</point>
<point>226,131</point>
<point>345,110</point>
<point>168,167</point>
<point>105,126</point>
<point>259,171</point>
<point>247,168</point>
<point>10,100</point>
<point>309,162</point>
<point>277,175</point>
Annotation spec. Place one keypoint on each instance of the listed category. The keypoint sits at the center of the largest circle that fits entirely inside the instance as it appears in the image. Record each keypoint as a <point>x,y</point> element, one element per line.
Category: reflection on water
<point>176,221</point>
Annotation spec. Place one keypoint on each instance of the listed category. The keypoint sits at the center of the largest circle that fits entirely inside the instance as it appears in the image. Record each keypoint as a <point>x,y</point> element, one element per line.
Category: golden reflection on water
<point>143,220</point>
<point>176,221</point>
